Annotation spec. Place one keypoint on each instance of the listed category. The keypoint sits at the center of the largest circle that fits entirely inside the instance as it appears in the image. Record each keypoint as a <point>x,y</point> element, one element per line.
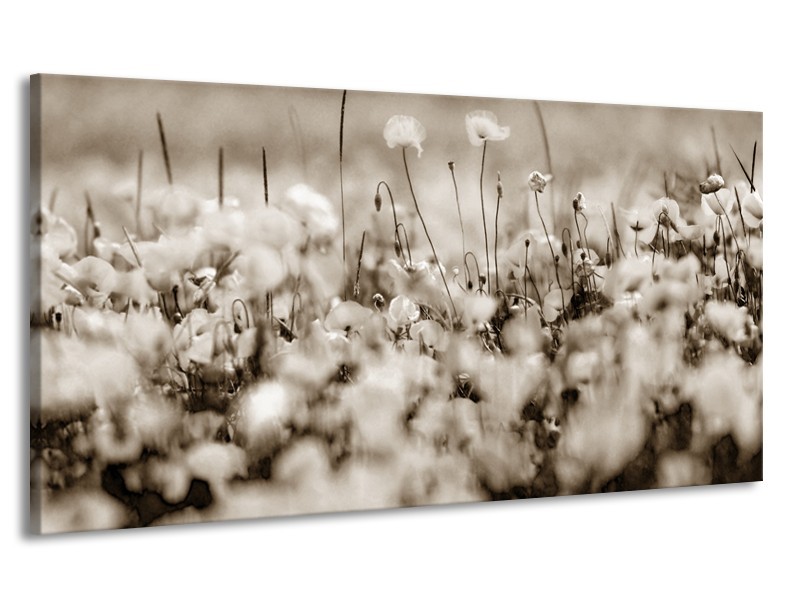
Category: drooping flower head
<point>482,126</point>
<point>405,131</point>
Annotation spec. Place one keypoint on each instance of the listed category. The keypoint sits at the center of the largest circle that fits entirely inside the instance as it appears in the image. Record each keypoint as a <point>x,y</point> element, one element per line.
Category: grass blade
<point>746,174</point>
<point>164,149</point>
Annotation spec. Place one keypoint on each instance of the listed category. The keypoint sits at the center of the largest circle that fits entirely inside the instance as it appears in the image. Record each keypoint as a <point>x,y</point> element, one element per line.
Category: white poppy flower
<point>482,126</point>
<point>405,131</point>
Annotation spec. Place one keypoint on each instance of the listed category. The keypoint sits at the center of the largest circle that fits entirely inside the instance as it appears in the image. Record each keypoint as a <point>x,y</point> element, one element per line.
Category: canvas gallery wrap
<point>257,301</point>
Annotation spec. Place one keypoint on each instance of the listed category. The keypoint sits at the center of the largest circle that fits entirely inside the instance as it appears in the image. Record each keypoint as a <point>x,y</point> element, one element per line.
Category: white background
<point>733,541</point>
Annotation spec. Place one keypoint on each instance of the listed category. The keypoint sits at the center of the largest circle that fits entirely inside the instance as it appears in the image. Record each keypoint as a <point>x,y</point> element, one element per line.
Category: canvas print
<point>255,301</point>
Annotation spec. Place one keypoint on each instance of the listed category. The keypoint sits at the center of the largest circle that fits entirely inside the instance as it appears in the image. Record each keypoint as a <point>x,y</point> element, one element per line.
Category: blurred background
<point>93,129</point>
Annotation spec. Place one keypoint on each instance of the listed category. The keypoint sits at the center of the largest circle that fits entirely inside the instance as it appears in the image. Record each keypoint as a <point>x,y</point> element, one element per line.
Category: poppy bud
<point>378,201</point>
<point>564,249</point>
<point>499,186</point>
<point>527,242</point>
<point>714,183</point>
<point>397,249</point>
<point>537,181</point>
<point>579,203</point>
<point>557,257</point>
<point>716,238</point>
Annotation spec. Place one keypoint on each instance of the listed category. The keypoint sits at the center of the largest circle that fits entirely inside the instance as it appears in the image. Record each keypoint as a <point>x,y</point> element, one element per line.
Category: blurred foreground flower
<point>55,231</point>
<point>482,126</point>
<point>429,333</point>
<point>731,321</point>
<point>313,210</point>
<point>717,203</point>
<point>753,210</point>
<point>403,310</point>
<point>405,131</point>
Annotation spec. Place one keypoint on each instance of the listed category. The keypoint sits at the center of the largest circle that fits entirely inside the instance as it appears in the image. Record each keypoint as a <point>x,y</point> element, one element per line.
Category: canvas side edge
<point>33,205</point>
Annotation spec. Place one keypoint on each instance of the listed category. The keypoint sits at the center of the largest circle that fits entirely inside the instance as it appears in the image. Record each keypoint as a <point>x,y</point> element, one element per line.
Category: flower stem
<point>483,214</point>
<point>139,195</point>
<point>496,219</point>
<point>425,229</point>
<point>727,218</point>
<point>221,177</point>
<point>341,188</point>
<point>396,224</point>
<point>460,220</point>
<point>525,280</point>
<point>552,252</point>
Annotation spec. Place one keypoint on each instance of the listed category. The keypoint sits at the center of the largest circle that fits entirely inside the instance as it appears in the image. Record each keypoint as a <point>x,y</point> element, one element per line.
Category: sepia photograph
<point>251,301</point>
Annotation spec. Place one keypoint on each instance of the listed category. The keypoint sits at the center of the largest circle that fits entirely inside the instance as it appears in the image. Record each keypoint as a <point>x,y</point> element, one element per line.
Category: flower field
<point>205,357</point>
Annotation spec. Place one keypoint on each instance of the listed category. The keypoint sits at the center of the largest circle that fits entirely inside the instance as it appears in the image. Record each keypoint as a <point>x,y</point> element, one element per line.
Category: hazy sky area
<point>93,129</point>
